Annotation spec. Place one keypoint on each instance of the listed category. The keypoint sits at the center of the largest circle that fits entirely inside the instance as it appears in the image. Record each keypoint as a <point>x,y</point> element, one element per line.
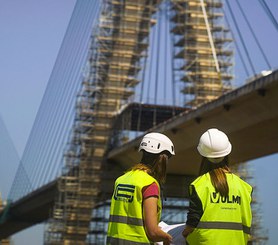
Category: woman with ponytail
<point>220,202</point>
<point>136,202</point>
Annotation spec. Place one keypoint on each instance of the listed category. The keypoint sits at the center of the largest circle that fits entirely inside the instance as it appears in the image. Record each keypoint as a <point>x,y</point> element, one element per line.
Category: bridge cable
<point>237,47</point>
<point>82,49</point>
<point>75,84</point>
<point>53,104</point>
<point>143,80</point>
<point>151,54</point>
<point>35,132</point>
<point>168,65</point>
<point>157,61</point>
<point>241,38</point>
<point>165,48</point>
<point>142,85</point>
<point>269,13</point>
<point>58,118</point>
<point>172,55</point>
<point>90,14</point>
<point>56,99</point>
<point>253,34</point>
<point>8,155</point>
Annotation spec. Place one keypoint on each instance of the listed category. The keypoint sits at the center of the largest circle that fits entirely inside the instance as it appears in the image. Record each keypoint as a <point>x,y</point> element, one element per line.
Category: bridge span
<point>249,115</point>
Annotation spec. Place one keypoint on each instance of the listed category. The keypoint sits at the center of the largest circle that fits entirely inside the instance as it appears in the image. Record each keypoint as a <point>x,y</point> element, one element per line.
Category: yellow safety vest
<point>126,226</point>
<point>225,220</point>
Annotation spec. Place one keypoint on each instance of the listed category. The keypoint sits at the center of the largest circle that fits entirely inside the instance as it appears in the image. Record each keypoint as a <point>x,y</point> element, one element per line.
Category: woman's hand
<point>152,229</point>
<point>187,230</point>
<point>168,240</point>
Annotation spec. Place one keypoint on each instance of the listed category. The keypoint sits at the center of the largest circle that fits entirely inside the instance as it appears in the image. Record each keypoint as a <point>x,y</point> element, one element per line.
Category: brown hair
<point>154,164</point>
<point>217,172</point>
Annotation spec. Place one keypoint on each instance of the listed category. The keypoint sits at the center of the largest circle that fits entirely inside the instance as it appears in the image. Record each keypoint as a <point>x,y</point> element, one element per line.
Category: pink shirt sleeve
<point>150,191</point>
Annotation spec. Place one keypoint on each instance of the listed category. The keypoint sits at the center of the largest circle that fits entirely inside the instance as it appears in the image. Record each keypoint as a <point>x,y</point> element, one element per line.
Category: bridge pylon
<point>117,46</point>
<point>119,43</point>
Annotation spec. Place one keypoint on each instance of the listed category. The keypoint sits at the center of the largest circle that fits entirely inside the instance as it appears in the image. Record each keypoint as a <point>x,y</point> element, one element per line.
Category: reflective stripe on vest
<point>126,224</point>
<point>120,241</point>
<point>224,225</point>
<point>225,220</point>
<point>126,220</point>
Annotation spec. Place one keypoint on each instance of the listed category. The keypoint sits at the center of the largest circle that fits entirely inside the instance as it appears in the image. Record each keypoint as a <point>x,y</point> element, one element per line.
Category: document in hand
<point>175,231</point>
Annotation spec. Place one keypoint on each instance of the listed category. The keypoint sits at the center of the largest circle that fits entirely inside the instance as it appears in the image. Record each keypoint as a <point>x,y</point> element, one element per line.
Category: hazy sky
<point>31,32</point>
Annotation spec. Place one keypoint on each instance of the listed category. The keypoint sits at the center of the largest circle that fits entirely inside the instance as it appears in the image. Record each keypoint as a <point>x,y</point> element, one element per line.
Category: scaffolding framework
<point>203,61</point>
<point>202,50</point>
<point>117,46</point>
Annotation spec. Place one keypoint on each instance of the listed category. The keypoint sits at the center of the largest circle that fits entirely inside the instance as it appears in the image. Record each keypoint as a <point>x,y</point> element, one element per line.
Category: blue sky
<point>31,33</point>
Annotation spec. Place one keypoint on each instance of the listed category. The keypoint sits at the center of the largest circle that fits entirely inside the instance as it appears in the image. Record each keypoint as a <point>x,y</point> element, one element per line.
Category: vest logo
<point>216,198</point>
<point>124,192</point>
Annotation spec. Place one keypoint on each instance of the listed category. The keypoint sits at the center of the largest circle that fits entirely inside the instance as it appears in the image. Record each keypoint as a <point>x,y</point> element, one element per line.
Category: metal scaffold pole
<point>117,46</point>
<point>202,56</point>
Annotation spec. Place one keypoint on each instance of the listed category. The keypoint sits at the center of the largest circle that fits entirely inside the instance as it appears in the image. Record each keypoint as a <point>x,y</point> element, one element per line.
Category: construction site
<point>108,112</point>
<point>203,62</point>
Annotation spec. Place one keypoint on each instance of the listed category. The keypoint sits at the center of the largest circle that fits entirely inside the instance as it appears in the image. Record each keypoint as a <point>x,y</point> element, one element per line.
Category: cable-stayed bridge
<point>98,106</point>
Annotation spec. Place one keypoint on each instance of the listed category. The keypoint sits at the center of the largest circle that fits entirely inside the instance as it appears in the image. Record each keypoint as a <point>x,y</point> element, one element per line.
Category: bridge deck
<point>249,115</point>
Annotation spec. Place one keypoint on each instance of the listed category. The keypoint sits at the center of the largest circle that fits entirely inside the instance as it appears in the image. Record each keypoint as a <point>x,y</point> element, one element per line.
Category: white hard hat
<point>156,143</point>
<point>214,143</point>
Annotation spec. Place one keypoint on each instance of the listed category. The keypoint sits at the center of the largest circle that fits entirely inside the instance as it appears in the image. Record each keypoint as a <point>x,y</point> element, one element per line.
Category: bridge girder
<point>248,115</point>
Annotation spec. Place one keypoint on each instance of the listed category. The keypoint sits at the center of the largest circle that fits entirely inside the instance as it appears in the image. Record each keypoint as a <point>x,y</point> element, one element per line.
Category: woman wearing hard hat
<point>220,202</point>
<point>136,205</point>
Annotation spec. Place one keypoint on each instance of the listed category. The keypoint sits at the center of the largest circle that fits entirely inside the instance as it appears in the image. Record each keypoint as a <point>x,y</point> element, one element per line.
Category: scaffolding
<point>118,43</point>
<point>202,50</point>
<point>202,61</point>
